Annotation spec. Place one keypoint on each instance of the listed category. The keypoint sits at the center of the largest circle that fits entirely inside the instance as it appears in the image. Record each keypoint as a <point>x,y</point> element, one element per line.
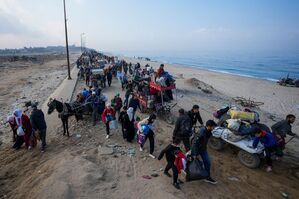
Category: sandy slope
<point>23,81</point>
<point>89,166</point>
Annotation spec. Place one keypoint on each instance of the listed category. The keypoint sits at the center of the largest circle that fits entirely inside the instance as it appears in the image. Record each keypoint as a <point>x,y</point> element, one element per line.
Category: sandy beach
<point>86,165</point>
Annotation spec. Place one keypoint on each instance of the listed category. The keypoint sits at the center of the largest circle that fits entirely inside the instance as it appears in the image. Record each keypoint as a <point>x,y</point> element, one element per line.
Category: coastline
<point>217,71</point>
<point>278,99</point>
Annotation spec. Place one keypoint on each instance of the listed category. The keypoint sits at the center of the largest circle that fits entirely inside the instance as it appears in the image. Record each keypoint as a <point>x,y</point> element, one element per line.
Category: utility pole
<point>67,44</point>
<point>82,41</point>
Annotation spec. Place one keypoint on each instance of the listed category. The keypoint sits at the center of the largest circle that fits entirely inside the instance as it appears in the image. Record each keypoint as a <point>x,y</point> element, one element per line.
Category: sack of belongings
<point>242,115</point>
<point>230,136</point>
<point>161,81</point>
<point>226,134</point>
<point>245,129</point>
<point>217,114</point>
<point>195,170</point>
<point>233,124</point>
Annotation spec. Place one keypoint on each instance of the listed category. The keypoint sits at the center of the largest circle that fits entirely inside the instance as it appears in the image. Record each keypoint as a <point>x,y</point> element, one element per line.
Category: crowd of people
<point>28,129</point>
<point>194,137</point>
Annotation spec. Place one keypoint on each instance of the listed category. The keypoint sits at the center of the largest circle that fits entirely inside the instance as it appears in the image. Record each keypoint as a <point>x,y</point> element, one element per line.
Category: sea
<point>268,66</point>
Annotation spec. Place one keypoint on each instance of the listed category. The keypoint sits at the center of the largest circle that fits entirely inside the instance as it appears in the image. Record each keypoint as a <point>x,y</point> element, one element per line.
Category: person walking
<point>24,130</point>
<point>107,116</point>
<point>182,129</point>
<point>121,119</point>
<point>146,127</point>
<point>87,76</point>
<point>199,147</point>
<point>129,91</point>
<point>134,103</point>
<point>129,125</point>
<point>194,115</point>
<point>39,125</point>
<point>117,103</point>
<point>109,77</point>
<point>170,152</point>
<point>95,101</point>
<point>13,125</point>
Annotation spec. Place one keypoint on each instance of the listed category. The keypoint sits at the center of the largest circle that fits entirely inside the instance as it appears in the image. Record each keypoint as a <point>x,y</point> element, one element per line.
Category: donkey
<point>64,112</point>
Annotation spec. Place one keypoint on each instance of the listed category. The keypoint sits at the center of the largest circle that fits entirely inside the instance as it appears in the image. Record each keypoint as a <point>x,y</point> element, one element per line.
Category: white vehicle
<point>97,71</point>
<point>247,155</point>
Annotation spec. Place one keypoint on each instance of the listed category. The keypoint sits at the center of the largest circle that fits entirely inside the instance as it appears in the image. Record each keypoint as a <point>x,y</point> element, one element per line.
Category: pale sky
<point>153,25</point>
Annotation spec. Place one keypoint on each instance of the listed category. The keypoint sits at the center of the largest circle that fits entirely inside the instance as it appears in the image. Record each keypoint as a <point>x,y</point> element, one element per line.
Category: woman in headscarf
<point>121,119</point>
<point>129,125</point>
<point>24,130</point>
<point>107,116</point>
<point>12,122</point>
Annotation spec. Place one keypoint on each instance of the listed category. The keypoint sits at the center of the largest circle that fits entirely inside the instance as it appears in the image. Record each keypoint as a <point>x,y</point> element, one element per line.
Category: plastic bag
<point>145,129</point>
<point>195,170</point>
<point>113,124</point>
<point>20,131</point>
<point>140,138</point>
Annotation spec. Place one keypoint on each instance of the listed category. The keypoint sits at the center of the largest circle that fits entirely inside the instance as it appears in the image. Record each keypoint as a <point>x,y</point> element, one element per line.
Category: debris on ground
<point>247,102</point>
<point>147,177</point>
<point>233,179</point>
<point>131,152</point>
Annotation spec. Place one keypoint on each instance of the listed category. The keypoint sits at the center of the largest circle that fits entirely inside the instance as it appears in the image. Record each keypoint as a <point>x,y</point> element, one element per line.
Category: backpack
<point>186,125</point>
<point>194,137</point>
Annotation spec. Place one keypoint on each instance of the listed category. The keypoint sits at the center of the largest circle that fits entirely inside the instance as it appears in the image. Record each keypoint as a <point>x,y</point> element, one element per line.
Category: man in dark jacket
<point>129,91</point>
<point>199,147</point>
<point>182,129</point>
<point>95,102</point>
<point>134,103</point>
<point>194,114</point>
<point>282,128</point>
<point>38,123</point>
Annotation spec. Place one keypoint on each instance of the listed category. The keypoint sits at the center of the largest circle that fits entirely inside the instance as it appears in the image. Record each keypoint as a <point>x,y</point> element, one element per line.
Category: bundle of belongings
<point>227,134</point>
<point>237,123</point>
<point>165,79</point>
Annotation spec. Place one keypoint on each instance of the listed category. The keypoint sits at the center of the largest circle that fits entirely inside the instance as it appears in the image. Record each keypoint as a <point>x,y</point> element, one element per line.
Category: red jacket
<point>28,139</point>
<point>106,112</point>
<point>26,125</point>
<point>179,161</point>
<point>118,103</point>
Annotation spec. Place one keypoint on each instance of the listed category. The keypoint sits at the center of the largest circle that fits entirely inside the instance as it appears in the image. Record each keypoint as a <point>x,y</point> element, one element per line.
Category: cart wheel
<point>169,118</point>
<point>249,160</point>
<point>216,143</point>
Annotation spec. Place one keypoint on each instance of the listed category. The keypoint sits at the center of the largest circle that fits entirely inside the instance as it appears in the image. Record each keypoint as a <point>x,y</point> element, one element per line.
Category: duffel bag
<point>195,170</point>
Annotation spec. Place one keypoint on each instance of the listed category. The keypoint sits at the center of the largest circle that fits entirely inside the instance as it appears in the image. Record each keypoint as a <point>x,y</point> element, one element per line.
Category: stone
<point>234,179</point>
<point>105,151</point>
<point>114,185</point>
